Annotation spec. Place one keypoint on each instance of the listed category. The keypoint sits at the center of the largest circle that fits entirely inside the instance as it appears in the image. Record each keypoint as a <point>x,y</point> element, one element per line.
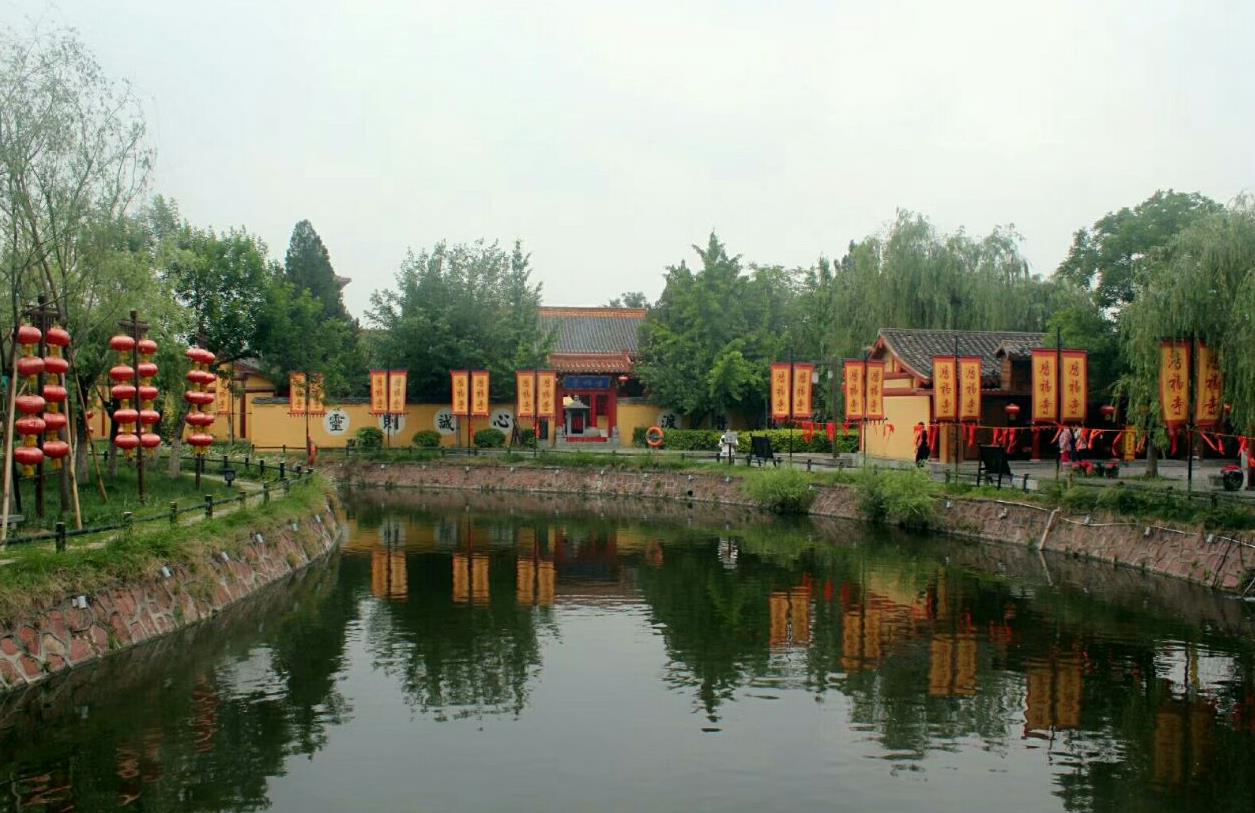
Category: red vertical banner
<point>802,391</point>
<point>547,394</point>
<point>480,398</point>
<point>525,392</point>
<point>1208,388</point>
<point>855,375</point>
<point>461,400</point>
<point>874,409</point>
<point>1045,386</point>
<point>397,380</point>
<point>945,386</point>
<point>317,394</point>
<point>296,394</point>
<point>378,392</point>
<point>1075,383</point>
<point>1174,383</point>
<point>969,388</point>
<point>780,390</point>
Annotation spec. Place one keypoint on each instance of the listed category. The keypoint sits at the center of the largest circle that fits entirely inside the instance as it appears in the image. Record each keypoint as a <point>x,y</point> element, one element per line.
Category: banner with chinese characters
<point>546,394</point>
<point>969,388</point>
<point>525,390</point>
<point>945,381</point>
<point>296,394</point>
<point>480,398</point>
<point>222,396</point>
<point>378,392</point>
<point>875,406</point>
<point>1209,388</point>
<point>1174,383</point>
<point>1045,384</point>
<point>1075,385</point>
<point>855,372</point>
<point>802,384</point>
<point>461,400</point>
<point>397,380</point>
<point>317,394</point>
<point>780,391</point>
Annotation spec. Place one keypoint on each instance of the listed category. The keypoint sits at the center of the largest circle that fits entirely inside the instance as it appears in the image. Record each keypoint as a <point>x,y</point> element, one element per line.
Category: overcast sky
<point>610,137</point>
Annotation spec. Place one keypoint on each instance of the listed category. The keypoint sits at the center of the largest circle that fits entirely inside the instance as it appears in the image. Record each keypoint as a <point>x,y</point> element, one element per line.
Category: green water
<point>539,655</point>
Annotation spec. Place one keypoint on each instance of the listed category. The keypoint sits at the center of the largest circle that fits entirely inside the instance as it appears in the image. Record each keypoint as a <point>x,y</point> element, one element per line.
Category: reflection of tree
<point>201,720</point>
<point>458,658</point>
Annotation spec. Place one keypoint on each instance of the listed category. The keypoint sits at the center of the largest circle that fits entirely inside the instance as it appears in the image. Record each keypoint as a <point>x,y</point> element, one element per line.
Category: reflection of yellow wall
<point>903,411</point>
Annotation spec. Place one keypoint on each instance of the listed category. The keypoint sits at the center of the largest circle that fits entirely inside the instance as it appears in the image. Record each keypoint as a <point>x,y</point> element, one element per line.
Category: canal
<point>529,654</point>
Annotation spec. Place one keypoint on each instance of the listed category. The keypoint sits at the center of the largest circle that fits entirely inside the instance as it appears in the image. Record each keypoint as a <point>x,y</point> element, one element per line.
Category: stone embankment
<point>1222,560</point>
<point>82,629</point>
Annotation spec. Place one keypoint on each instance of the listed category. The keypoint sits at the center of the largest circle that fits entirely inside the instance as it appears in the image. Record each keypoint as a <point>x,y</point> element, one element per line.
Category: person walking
<point>1065,445</point>
<point>922,451</point>
<point>1079,443</point>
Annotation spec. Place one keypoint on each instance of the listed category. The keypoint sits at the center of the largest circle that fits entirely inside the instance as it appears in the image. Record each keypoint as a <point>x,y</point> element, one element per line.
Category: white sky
<point>610,137</point>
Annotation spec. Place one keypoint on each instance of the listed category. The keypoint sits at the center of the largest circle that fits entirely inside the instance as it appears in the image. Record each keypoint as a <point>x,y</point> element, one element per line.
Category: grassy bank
<point>37,575</point>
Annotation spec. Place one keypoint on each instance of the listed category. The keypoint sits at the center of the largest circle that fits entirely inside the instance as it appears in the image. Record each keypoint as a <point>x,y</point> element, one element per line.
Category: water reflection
<point>513,638</point>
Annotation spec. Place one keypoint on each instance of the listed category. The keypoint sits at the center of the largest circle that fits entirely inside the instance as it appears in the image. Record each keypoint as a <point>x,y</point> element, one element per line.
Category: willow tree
<point>1201,285</point>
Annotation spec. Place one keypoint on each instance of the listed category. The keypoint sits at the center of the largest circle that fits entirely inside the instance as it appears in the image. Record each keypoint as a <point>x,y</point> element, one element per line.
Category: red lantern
<point>58,337</point>
<point>54,393</point>
<point>150,441</point>
<point>28,457</point>
<point>122,392</point>
<point>1108,411</point>
<point>54,421</point>
<point>126,441</point>
<point>198,397</point>
<point>201,377</point>
<point>28,366</point>
<point>122,344</point>
<point>1013,411</point>
<point>30,425</point>
<point>28,334</point>
<point>147,369</point>
<point>30,404</point>
<point>147,392</point>
<point>125,416</point>
<point>200,419</point>
<point>56,449</point>
<point>148,417</point>
<point>121,373</point>
<point>146,347</point>
<point>200,440</point>
<point>55,365</point>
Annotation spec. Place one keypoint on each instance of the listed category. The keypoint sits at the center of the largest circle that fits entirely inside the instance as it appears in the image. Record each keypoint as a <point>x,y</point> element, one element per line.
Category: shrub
<point>910,497</point>
<point>369,437</point>
<point>871,495</point>
<point>783,491</point>
<point>526,438</point>
<point>427,439</point>
<point>489,439</point>
<point>781,440</point>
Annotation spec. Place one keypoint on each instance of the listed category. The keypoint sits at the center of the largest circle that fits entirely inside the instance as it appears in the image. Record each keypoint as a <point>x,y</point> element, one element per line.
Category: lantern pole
<point>8,444</point>
<point>306,411</point>
<point>1189,421</point>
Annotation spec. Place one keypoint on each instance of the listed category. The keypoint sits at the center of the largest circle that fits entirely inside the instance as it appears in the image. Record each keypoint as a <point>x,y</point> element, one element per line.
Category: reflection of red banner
<point>1208,387</point>
<point>479,393</point>
<point>875,406</point>
<point>779,391</point>
<point>1045,382</point>
<point>945,383</point>
<point>1075,386</point>
<point>461,400</point>
<point>1174,383</point>
<point>855,369</point>
<point>524,388</point>
<point>546,394</point>
<point>969,388</point>
<point>802,407</point>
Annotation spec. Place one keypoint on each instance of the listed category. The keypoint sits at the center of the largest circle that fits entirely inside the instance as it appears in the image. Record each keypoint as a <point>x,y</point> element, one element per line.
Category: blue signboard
<point>586,382</point>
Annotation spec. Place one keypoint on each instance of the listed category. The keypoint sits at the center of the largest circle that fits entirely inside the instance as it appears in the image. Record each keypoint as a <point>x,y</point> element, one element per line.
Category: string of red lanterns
<point>30,426</point>
<point>124,392</point>
<point>146,392</point>
<point>199,397</point>
<point>55,393</point>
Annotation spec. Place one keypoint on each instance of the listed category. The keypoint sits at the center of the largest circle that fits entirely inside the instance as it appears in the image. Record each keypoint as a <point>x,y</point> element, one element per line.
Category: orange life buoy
<point>653,436</point>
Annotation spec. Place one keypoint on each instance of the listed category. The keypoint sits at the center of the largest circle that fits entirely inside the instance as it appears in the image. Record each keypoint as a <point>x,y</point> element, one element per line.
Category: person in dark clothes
<point>922,451</point>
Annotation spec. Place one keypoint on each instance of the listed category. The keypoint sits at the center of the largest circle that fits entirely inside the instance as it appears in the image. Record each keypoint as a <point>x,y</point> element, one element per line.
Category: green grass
<point>38,575</point>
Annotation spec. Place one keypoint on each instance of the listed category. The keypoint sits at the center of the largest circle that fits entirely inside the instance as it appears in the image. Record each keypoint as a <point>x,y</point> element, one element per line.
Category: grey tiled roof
<point>917,347</point>
<point>594,330</point>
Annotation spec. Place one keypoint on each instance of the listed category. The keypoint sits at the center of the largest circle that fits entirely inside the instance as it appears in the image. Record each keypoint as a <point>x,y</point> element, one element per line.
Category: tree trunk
<point>176,440</point>
<point>1152,459</point>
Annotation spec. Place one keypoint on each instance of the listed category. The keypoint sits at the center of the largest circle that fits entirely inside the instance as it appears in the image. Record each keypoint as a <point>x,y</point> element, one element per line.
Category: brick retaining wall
<point>1222,560</point>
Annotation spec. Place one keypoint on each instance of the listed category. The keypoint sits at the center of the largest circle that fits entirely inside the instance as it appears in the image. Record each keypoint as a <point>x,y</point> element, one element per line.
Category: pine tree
<point>308,267</point>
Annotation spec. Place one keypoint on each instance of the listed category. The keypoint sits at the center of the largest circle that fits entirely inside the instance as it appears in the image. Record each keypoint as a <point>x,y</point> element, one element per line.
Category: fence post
<point>261,468</point>
<point>60,537</point>
<point>283,475</point>
<point>265,492</point>
<point>209,506</point>
<point>224,462</point>
<point>245,464</point>
<point>128,522</point>
<point>174,512</point>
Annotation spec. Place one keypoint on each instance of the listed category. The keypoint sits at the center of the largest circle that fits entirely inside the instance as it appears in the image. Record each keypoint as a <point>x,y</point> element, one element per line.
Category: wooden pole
<point>8,443</point>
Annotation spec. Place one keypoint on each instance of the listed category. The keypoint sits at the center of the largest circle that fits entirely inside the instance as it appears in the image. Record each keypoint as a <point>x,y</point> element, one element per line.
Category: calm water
<point>527,657</point>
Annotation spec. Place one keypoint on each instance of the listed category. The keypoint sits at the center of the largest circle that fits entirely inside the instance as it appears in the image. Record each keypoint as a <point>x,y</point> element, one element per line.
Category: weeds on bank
<point>36,574</point>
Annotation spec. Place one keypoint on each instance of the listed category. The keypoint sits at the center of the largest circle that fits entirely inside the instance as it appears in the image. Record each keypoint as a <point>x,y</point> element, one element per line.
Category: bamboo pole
<point>8,444</point>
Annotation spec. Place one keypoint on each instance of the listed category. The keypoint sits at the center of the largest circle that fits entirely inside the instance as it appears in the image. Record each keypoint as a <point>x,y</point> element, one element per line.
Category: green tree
<point>629,299</point>
<point>1104,257</point>
<point>307,265</point>
<point>462,306</point>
